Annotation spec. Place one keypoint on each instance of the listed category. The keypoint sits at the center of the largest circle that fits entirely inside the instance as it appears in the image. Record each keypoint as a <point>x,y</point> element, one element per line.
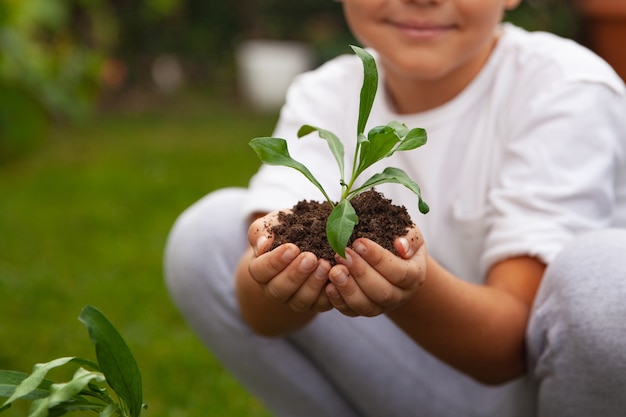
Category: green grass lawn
<point>84,219</point>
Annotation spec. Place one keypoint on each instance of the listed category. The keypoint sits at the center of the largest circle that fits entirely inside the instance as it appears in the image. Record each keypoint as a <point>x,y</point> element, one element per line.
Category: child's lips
<point>422,31</point>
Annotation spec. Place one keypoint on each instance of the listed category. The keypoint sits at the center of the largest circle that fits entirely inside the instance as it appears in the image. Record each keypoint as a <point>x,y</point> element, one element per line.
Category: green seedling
<point>379,143</point>
<point>115,366</point>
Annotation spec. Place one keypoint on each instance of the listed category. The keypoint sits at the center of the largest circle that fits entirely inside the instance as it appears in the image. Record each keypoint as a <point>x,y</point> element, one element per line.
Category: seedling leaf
<point>340,225</point>
<point>369,87</point>
<point>335,145</point>
<point>394,175</point>
<point>380,141</point>
<point>400,128</point>
<point>274,151</point>
<point>413,139</point>
<point>115,358</point>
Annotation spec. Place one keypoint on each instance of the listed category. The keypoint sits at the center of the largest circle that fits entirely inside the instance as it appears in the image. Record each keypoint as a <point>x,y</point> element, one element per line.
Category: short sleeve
<point>557,176</point>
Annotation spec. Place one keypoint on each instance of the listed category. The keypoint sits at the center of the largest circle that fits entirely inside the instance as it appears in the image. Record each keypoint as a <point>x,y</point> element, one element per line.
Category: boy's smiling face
<point>428,41</point>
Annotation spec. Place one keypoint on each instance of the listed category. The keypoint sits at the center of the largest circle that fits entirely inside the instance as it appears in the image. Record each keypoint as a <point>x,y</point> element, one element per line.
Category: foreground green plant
<point>379,143</point>
<point>116,366</point>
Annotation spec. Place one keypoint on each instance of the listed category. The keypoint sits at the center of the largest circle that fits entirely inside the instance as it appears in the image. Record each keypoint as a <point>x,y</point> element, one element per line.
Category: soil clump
<point>379,220</point>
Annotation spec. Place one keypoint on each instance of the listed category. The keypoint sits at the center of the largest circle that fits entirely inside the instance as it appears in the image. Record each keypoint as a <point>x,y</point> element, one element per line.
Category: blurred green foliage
<point>60,56</point>
<point>23,122</point>
<point>51,51</point>
<point>556,16</point>
<point>203,34</point>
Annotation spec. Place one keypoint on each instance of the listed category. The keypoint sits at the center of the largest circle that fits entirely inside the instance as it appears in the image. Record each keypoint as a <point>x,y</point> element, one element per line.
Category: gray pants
<point>347,367</point>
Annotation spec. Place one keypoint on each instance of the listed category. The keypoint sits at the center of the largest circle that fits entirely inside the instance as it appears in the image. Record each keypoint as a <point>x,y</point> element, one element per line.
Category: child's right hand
<point>285,274</point>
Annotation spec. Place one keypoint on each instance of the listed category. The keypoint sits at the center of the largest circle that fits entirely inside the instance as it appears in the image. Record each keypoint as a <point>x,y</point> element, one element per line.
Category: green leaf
<point>400,128</point>
<point>397,176</point>
<point>274,151</point>
<point>109,411</point>
<point>340,225</point>
<point>61,395</point>
<point>63,392</point>
<point>380,141</point>
<point>32,382</point>
<point>10,380</point>
<point>414,139</point>
<point>77,405</point>
<point>39,408</point>
<point>368,90</point>
<point>334,143</point>
<point>115,358</point>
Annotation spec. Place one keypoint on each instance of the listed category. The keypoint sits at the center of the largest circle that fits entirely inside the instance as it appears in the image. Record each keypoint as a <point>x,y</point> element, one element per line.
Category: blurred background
<point>115,116</point>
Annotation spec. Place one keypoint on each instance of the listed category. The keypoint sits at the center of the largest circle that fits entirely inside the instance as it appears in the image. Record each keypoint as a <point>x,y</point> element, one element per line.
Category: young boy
<point>506,299</point>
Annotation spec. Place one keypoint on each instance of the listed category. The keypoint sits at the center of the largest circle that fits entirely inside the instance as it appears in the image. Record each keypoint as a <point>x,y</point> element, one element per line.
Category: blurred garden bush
<point>57,57</point>
<point>561,17</point>
<point>50,57</point>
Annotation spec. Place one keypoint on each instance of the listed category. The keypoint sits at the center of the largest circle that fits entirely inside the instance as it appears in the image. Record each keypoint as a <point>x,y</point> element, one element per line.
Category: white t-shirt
<point>530,154</point>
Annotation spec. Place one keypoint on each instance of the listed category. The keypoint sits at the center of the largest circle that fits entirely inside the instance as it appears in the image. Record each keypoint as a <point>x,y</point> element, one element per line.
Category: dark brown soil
<point>379,220</point>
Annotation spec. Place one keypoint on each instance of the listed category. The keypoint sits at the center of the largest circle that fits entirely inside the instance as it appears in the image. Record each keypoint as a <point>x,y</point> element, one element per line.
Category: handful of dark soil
<point>379,220</point>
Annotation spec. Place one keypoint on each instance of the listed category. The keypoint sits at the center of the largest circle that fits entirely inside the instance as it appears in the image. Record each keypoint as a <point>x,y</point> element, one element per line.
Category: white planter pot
<point>266,68</point>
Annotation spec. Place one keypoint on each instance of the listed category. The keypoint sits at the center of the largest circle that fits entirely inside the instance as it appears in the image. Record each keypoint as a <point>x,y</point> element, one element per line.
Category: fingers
<point>290,277</point>
<point>322,303</point>
<point>345,295</point>
<point>266,266</point>
<point>259,235</point>
<point>283,271</point>
<point>368,282</point>
<point>409,244</point>
<point>357,289</point>
<point>372,280</point>
<point>308,297</point>
<point>406,271</point>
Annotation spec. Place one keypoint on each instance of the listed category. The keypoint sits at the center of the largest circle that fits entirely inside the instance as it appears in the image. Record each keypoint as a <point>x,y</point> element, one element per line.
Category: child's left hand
<point>372,280</point>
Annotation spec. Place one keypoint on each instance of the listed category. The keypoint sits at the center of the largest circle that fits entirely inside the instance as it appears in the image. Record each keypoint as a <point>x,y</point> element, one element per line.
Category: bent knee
<point>580,303</point>
<point>592,263</point>
<point>206,239</point>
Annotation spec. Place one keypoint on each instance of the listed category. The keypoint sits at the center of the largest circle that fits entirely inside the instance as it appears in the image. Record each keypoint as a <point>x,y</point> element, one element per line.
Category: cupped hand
<point>372,280</point>
<point>286,274</point>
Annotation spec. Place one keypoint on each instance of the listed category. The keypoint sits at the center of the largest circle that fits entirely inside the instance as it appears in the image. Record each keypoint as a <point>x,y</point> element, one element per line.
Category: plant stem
<point>353,175</point>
